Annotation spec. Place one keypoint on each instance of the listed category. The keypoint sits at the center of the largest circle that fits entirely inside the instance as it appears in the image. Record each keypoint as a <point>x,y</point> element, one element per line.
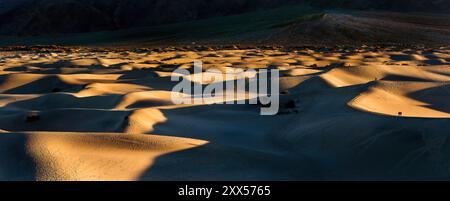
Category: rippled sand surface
<point>366,113</point>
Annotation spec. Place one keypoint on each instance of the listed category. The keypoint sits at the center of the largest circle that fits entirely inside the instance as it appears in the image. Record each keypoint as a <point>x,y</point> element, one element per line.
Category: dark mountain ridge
<point>42,17</point>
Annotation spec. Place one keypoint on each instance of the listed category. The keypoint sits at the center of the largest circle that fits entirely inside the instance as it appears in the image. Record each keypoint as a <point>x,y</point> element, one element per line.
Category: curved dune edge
<point>349,76</point>
<point>88,156</point>
<point>395,99</point>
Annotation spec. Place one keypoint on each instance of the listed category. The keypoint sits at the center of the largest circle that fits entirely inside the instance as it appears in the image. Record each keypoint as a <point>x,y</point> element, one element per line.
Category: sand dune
<point>405,99</point>
<point>76,156</point>
<point>362,113</point>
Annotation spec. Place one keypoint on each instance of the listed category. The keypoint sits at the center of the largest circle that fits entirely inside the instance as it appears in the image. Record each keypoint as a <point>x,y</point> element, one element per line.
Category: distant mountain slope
<point>8,5</point>
<point>442,6</point>
<point>41,17</point>
<point>291,26</point>
<point>368,27</point>
<point>38,17</point>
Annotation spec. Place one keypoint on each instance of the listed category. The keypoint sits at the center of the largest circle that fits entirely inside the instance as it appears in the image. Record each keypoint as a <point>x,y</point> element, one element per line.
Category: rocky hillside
<point>441,6</point>
<point>288,26</point>
<point>41,17</point>
<point>8,5</point>
<point>35,17</point>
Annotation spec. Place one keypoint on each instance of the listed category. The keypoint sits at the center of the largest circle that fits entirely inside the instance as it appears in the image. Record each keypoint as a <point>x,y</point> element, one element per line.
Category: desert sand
<point>358,113</point>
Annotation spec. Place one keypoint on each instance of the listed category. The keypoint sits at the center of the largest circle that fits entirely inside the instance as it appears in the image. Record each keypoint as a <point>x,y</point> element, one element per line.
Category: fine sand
<point>357,113</point>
